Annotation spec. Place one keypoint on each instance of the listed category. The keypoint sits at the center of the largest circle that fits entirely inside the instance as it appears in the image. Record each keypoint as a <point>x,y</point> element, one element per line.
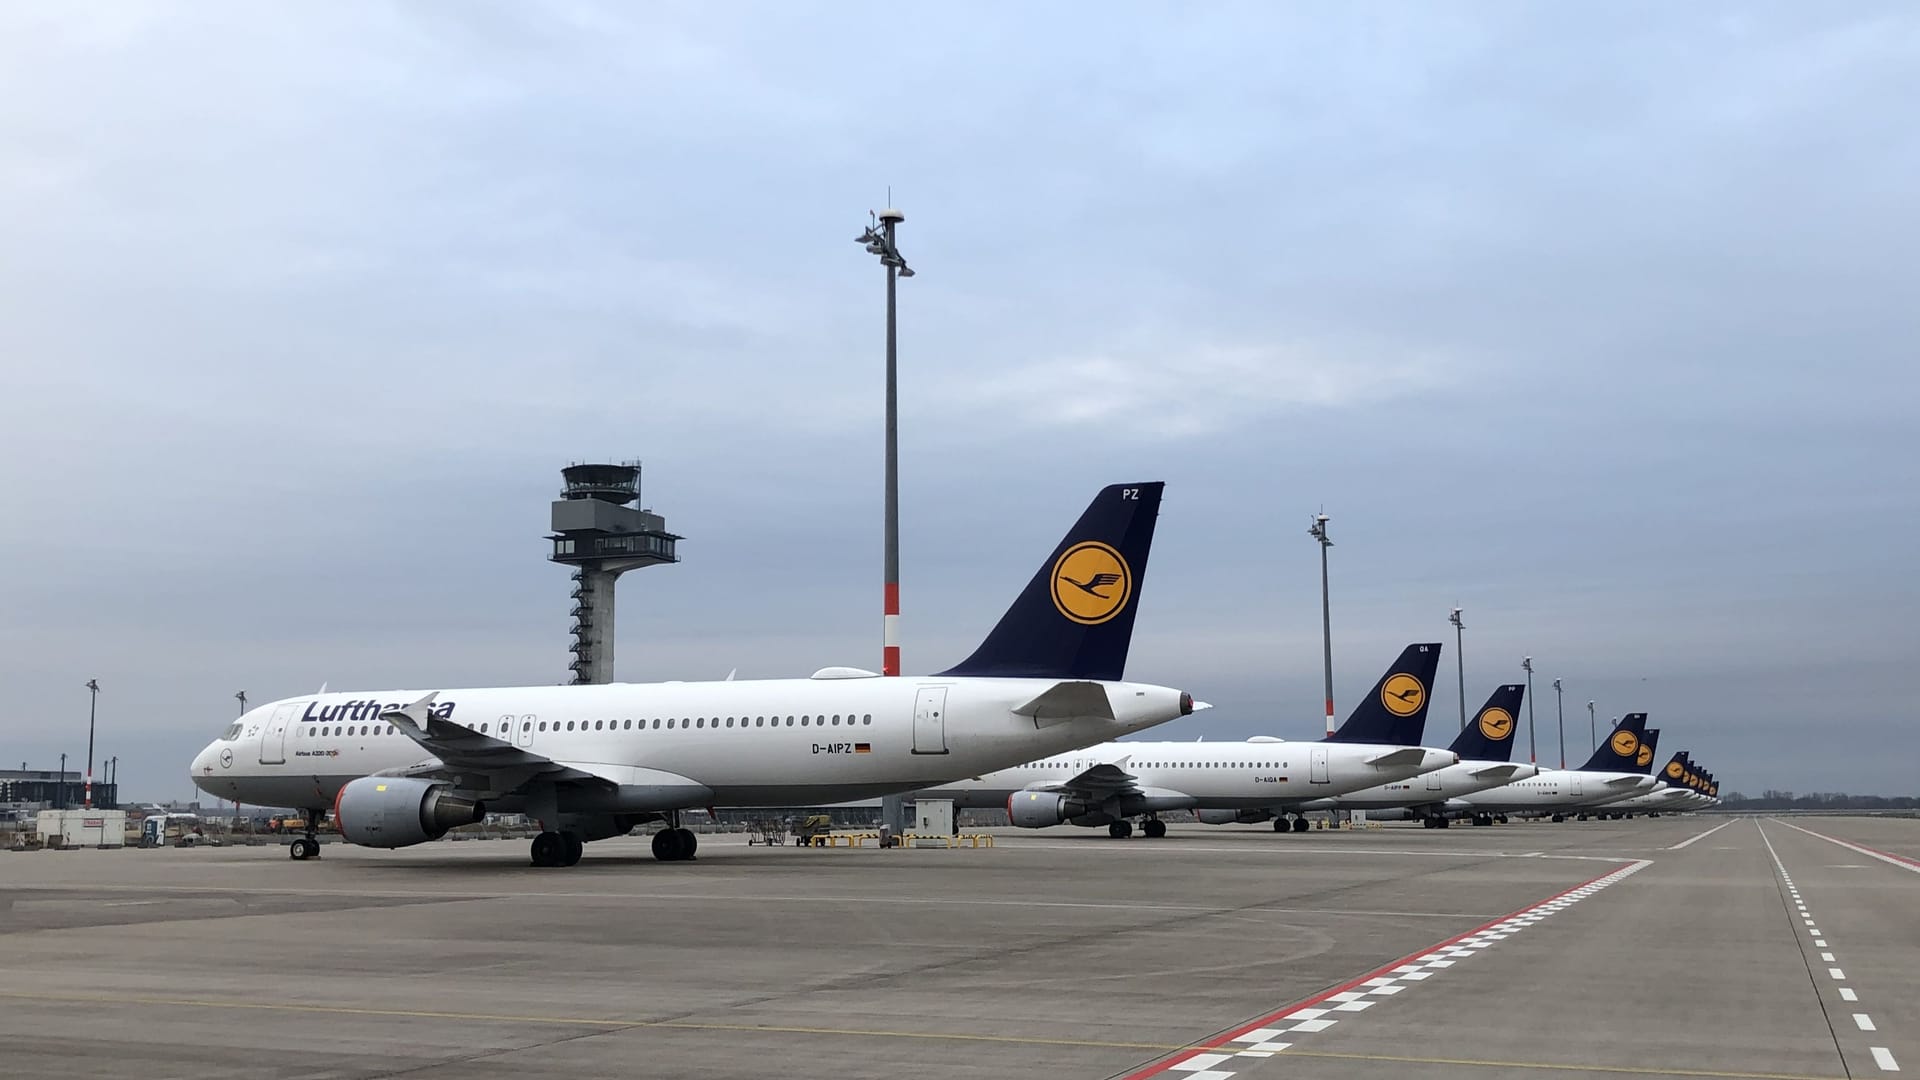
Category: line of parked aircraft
<point>1027,721</point>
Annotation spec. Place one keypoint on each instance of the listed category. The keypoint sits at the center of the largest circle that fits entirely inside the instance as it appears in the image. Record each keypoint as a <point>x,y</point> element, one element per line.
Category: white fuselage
<point>1665,798</point>
<point>1427,789</point>
<point>1259,774</point>
<point>667,745</point>
<point>1561,789</point>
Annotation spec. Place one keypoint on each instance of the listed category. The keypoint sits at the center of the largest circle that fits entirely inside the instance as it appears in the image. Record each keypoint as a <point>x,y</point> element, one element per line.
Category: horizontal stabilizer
<point>1068,701</point>
<point>1406,755</point>
<point>1495,772</point>
<point>1623,781</point>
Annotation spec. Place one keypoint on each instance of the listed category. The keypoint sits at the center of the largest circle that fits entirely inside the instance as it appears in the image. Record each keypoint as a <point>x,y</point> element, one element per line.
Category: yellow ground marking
<point>577,1021</point>
<point>612,1022</point>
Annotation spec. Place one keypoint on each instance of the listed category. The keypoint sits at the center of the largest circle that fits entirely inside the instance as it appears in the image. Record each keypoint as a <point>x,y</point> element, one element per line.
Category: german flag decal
<point>862,748</point>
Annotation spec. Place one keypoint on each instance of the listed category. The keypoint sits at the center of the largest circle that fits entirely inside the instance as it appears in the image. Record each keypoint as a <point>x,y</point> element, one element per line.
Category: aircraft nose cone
<point>203,765</point>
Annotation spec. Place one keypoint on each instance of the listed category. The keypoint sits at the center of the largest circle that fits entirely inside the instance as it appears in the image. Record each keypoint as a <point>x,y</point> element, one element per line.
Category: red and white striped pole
<point>1319,532</point>
<point>93,690</point>
<point>879,240</point>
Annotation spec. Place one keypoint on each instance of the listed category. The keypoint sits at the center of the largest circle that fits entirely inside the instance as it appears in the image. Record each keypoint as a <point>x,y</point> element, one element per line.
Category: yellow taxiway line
<point>612,1023</point>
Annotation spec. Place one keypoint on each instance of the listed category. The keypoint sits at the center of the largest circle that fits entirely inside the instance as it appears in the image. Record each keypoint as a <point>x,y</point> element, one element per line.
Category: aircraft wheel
<point>663,845</point>
<point>1300,824</point>
<point>571,848</point>
<point>297,850</point>
<point>548,849</point>
<point>689,843</point>
<point>1443,823</point>
<point>1281,824</point>
<point>1559,817</point>
<point>1500,819</point>
<point>1154,828</point>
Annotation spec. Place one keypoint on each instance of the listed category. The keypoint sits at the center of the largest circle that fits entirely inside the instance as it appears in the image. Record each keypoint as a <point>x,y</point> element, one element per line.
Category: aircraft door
<point>1433,780</point>
<point>273,735</point>
<point>930,720</point>
<point>1573,783</point>
<point>526,728</point>
<point>1317,771</point>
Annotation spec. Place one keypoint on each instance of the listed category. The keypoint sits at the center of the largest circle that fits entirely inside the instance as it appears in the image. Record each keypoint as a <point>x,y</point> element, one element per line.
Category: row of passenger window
<point>506,725</point>
<point>1165,765</point>
<point>528,723</point>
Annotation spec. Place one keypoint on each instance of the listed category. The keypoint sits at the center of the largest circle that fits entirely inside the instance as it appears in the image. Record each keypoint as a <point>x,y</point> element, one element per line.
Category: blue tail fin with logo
<point>1395,713</point>
<point>1620,750</point>
<point>1075,618</point>
<point>1489,736</point>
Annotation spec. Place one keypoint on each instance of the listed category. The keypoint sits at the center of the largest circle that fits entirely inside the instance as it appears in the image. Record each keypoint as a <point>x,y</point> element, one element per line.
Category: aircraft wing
<point>475,761</point>
<point>1098,782</point>
<point>1406,755</point>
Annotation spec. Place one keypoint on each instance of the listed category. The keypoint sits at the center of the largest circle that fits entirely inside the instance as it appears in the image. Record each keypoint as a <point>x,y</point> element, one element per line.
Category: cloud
<point>1195,391</point>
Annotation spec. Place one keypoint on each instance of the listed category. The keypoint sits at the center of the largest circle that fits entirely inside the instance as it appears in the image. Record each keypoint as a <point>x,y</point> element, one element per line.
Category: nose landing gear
<point>308,846</point>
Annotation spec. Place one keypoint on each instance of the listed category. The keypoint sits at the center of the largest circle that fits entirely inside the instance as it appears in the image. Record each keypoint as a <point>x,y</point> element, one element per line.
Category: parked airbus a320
<point>588,762</point>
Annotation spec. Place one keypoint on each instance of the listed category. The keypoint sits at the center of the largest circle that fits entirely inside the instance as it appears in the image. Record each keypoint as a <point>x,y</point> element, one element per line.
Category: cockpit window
<point>232,733</point>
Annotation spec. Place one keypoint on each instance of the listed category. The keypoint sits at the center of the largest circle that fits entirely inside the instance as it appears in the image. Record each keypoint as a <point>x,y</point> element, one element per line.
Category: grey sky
<point>1595,319</point>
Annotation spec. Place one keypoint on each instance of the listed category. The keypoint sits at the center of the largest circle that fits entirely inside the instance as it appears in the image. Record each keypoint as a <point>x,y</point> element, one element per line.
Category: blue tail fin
<point>1075,618</point>
<point>1395,713</point>
<point>1620,752</point>
<point>1490,736</point>
<point>1643,761</point>
<point>1674,772</point>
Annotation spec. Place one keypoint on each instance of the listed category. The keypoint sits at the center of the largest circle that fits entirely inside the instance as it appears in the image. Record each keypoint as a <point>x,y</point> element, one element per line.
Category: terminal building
<point>25,791</point>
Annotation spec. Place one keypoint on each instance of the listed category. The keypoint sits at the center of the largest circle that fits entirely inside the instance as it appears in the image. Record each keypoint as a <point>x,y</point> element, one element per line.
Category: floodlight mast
<point>878,239</point>
<point>1560,711</point>
<point>1319,532</point>
<point>1460,660</point>
<point>1532,756</point>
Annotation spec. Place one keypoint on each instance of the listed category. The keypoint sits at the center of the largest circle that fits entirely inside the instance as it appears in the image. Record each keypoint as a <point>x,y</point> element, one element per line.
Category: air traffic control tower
<point>598,532</point>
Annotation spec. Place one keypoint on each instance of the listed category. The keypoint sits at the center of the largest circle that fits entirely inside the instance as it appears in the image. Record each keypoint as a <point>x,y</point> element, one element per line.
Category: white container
<point>82,828</point>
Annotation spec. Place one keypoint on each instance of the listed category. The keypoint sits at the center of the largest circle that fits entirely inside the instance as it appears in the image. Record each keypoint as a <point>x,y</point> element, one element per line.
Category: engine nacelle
<point>1232,817</point>
<point>1043,809</point>
<point>392,812</point>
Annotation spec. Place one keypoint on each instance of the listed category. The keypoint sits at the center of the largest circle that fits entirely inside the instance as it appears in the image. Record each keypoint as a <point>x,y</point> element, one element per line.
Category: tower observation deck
<point>598,531</point>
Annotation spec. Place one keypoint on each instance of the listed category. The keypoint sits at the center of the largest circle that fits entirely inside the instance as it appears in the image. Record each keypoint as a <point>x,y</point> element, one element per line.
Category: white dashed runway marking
<point>1276,1032</point>
<point>1881,1055</point>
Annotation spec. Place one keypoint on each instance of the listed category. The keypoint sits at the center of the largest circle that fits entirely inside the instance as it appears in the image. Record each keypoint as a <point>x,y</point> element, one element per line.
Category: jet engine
<point>1232,817</point>
<point>391,812</point>
<point>1043,809</point>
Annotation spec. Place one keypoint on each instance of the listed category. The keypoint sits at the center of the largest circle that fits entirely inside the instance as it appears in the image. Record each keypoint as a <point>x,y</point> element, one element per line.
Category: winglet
<point>413,717</point>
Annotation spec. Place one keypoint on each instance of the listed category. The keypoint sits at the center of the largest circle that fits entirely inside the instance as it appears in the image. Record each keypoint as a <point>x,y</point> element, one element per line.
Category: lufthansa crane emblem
<point>1091,583</point>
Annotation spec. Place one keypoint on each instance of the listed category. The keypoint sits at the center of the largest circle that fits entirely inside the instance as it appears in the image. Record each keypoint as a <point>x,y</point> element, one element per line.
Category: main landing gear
<point>1295,824</point>
<point>1120,830</point>
<point>308,846</point>
<point>675,844</point>
<point>557,849</point>
<point>1435,821</point>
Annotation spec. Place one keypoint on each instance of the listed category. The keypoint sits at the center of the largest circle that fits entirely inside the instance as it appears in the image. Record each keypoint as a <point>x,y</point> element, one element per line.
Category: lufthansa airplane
<point>1485,747</point>
<point>401,767</point>
<point>1617,770</point>
<point>1221,782</point>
